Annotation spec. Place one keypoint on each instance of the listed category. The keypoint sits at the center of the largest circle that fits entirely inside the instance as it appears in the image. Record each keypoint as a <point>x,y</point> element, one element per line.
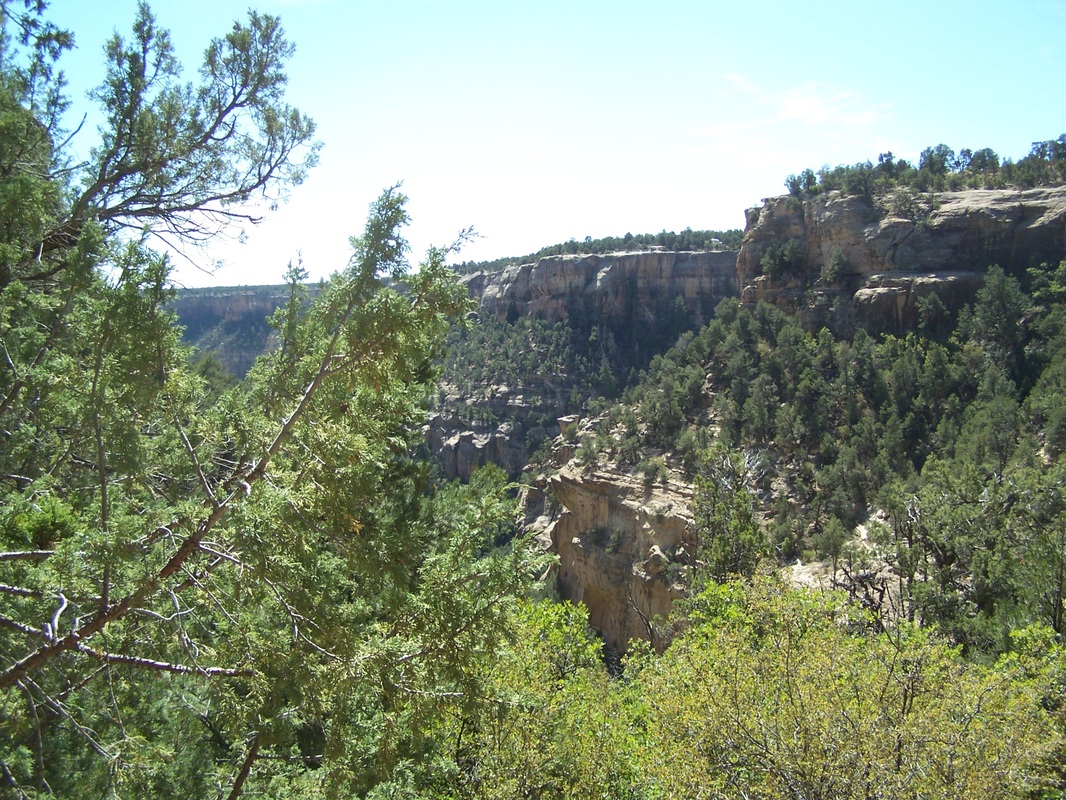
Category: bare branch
<point>165,666</point>
<point>56,706</point>
<point>20,591</point>
<point>19,627</point>
<point>204,484</point>
<point>52,628</point>
<point>9,779</point>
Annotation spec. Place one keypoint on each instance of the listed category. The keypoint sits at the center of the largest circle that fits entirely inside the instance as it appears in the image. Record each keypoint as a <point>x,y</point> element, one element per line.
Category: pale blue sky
<point>537,122</point>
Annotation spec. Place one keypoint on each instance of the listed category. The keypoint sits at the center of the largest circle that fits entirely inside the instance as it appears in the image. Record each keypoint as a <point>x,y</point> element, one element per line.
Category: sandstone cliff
<point>620,541</point>
<point>868,262</point>
<point>639,302</point>
<point>618,288</point>
<point>461,446</point>
<point>230,322</point>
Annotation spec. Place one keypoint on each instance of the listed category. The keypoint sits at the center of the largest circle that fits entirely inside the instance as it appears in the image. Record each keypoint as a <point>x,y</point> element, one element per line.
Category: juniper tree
<point>203,592</point>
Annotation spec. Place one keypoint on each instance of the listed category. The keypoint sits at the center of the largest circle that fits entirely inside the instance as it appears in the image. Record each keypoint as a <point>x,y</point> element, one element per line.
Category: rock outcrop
<point>460,447</point>
<point>634,296</point>
<point>511,418</point>
<point>832,257</point>
<point>619,541</point>
<point>230,322</point>
<point>616,288</point>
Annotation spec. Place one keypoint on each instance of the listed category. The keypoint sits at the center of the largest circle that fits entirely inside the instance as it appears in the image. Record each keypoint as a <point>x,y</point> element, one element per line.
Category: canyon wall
<point>841,261</point>
<point>643,299</point>
<point>617,288</point>
<point>619,539</point>
<point>863,261</point>
<point>230,322</point>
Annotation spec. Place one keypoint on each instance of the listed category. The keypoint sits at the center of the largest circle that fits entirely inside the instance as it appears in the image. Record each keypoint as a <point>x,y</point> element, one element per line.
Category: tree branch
<point>20,591</point>
<point>246,768</point>
<point>27,555</point>
<point>165,666</point>
<point>18,627</point>
<point>238,485</point>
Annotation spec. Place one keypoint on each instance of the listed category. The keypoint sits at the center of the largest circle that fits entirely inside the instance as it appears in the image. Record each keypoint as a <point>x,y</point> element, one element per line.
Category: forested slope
<point>945,445</point>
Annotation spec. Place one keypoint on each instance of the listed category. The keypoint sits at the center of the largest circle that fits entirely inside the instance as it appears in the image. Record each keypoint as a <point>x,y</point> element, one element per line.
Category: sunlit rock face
<point>618,538</point>
<point>869,263</point>
<point>615,288</point>
<point>230,322</point>
<point>646,297</point>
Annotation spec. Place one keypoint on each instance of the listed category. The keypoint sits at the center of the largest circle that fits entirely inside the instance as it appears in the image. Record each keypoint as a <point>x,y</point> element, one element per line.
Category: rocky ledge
<point>616,287</point>
<point>886,253</point>
<point>620,542</point>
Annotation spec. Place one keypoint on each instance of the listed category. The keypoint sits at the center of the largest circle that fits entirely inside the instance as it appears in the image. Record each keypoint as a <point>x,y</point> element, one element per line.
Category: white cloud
<point>817,105</point>
<point>813,104</point>
<point>742,83</point>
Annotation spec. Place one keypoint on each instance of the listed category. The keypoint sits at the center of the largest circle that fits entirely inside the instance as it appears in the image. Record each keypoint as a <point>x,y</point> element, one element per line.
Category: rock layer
<point>616,287</point>
<point>230,322</point>
<point>460,447</point>
<point>617,539</point>
<point>886,255</point>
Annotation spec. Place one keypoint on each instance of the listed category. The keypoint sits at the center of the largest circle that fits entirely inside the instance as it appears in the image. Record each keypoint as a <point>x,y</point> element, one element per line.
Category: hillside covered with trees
<point>946,443</point>
<point>219,589</point>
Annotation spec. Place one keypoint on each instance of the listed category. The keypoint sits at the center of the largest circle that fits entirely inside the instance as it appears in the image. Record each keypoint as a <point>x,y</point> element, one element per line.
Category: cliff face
<point>874,261</point>
<point>617,538</point>
<point>461,446</point>
<point>617,288</point>
<point>230,322</point>
<point>832,259</point>
<point>628,301</point>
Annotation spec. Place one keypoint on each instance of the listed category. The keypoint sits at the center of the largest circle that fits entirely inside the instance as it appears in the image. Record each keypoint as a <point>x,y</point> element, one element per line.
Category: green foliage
<point>775,692</point>
<point>782,259</point>
<point>654,470</point>
<point>939,169</point>
<point>728,540</point>
<point>996,322</point>
<point>493,352</point>
<point>937,430</point>
<point>558,725</point>
<point>834,267</point>
<point>765,692</point>
<point>272,550</point>
<point>210,587</point>
<point>1048,284</point>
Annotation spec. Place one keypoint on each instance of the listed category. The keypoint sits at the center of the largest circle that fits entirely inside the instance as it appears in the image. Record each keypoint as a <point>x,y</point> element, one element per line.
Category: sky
<point>540,121</point>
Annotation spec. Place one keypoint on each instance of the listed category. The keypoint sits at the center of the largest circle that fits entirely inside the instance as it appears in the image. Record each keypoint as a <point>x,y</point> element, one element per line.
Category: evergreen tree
<point>208,589</point>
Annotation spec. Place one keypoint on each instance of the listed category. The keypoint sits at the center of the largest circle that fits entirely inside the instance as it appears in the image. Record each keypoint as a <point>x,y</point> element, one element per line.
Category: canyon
<point>838,261</point>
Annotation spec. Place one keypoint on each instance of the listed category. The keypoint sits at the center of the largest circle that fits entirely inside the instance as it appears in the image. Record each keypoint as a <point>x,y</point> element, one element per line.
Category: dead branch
<point>165,666</point>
